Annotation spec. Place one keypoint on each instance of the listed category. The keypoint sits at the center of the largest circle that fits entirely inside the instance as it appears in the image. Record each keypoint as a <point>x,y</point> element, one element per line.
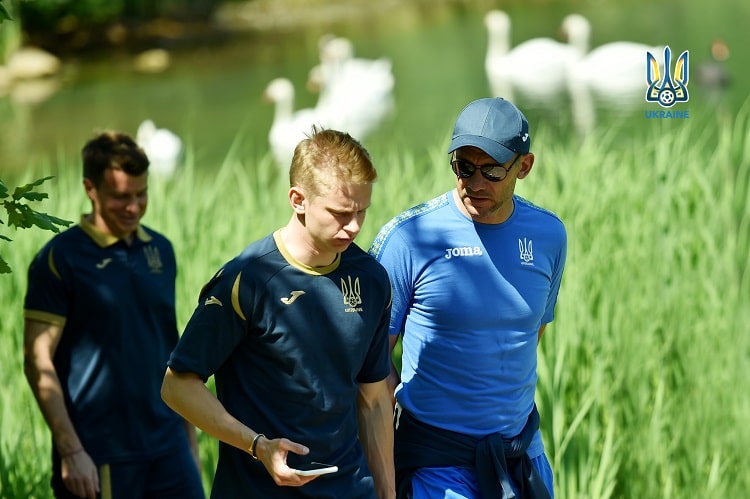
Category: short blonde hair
<point>327,157</point>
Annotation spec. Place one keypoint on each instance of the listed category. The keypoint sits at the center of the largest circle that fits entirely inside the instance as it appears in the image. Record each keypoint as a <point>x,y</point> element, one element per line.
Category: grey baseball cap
<point>495,126</point>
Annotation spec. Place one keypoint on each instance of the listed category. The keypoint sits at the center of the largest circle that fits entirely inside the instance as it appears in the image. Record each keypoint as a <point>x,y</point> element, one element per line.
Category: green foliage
<point>44,14</point>
<point>4,16</point>
<point>41,15</point>
<point>21,215</point>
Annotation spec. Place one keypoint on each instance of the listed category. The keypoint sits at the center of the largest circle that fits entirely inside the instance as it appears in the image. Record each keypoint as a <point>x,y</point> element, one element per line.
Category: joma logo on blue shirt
<point>465,251</point>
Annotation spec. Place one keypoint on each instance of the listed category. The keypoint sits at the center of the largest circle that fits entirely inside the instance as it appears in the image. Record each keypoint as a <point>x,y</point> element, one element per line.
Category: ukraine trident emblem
<point>667,90</point>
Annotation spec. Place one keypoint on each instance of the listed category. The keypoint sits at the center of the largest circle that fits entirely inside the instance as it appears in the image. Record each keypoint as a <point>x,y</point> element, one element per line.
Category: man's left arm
<point>375,415</point>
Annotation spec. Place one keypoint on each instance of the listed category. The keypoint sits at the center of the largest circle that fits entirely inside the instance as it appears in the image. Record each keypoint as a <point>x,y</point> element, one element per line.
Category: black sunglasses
<point>493,172</point>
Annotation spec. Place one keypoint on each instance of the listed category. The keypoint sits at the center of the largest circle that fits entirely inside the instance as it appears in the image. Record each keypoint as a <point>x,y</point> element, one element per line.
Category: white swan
<point>614,72</point>
<point>162,146</point>
<point>289,127</point>
<point>356,94</point>
<point>535,68</point>
<point>611,75</point>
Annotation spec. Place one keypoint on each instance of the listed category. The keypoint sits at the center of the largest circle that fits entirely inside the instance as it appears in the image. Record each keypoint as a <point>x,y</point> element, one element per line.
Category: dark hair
<point>111,149</point>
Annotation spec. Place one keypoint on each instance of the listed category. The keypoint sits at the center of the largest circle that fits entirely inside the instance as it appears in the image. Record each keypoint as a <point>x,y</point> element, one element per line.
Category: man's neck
<point>301,248</point>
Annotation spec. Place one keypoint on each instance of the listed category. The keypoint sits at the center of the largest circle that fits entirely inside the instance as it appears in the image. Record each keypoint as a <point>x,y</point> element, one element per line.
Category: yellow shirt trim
<point>46,317</point>
<point>102,239</point>
<point>301,266</point>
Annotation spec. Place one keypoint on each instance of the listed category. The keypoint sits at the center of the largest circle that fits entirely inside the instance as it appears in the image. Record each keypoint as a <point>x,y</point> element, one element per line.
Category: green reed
<point>642,373</point>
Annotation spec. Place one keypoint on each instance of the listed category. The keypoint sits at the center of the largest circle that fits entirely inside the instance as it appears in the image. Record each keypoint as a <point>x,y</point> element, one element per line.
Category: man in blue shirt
<point>295,332</point>
<point>475,275</point>
<point>100,323</point>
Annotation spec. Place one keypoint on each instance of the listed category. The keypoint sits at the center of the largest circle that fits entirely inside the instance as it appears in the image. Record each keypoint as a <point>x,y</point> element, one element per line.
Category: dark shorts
<point>170,476</point>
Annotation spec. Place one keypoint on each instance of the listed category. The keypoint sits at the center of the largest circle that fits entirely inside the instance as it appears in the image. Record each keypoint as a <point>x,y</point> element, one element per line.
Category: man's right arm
<point>188,396</point>
<point>40,343</point>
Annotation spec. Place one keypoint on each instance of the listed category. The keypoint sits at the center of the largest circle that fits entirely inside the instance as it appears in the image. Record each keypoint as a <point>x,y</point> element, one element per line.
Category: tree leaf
<point>4,16</point>
<point>35,196</point>
<point>23,191</point>
<point>4,267</point>
<point>19,215</point>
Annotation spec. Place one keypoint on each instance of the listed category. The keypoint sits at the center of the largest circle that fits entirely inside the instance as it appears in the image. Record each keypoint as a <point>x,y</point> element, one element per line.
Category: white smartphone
<point>310,469</point>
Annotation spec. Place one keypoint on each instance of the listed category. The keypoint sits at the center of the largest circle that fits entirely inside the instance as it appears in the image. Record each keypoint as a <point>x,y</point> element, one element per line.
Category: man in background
<point>100,322</point>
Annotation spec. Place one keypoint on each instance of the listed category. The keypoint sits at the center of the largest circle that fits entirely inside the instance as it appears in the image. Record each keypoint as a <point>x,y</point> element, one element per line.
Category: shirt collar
<point>102,239</point>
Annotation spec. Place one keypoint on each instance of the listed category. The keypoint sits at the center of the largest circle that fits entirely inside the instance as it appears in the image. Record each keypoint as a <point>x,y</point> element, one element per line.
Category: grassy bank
<point>642,373</point>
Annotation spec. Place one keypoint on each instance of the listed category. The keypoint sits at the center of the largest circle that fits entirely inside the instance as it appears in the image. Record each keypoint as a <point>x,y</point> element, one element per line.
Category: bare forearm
<point>376,435</point>
<point>188,396</point>
<point>46,387</point>
<point>40,341</point>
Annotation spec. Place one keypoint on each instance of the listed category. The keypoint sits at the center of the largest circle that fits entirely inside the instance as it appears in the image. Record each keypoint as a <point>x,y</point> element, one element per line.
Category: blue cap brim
<point>499,152</point>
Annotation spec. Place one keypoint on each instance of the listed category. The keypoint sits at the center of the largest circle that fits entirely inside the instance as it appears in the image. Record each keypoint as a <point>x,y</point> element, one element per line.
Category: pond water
<point>211,92</point>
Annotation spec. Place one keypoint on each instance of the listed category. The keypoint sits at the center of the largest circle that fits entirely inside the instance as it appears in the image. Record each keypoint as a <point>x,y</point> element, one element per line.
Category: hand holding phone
<point>313,468</point>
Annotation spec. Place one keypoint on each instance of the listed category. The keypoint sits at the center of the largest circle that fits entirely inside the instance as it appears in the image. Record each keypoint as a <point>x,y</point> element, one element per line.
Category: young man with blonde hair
<point>295,332</point>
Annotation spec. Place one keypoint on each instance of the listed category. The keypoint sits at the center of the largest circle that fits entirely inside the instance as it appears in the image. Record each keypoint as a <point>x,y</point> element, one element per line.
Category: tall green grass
<point>643,373</point>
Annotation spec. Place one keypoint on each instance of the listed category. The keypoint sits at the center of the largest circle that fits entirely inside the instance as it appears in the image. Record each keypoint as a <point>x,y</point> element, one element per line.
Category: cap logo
<point>525,137</point>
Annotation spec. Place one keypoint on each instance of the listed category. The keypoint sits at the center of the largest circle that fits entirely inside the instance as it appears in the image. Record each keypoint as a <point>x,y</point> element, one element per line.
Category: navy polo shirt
<point>288,345</point>
<point>116,304</point>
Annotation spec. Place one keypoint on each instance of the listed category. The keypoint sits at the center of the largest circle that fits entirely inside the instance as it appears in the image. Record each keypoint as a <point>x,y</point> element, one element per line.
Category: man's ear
<point>297,200</point>
<point>527,162</point>
<point>89,186</point>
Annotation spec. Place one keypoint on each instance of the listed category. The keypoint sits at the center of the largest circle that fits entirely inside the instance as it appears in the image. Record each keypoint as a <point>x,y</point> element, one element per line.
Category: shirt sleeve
<point>558,264</point>
<point>216,327</point>
<point>47,295</point>
<point>393,253</point>
<point>378,362</point>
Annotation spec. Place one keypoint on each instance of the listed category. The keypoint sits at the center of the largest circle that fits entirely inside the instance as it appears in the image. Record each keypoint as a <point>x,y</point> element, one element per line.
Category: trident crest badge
<point>669,89</point>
